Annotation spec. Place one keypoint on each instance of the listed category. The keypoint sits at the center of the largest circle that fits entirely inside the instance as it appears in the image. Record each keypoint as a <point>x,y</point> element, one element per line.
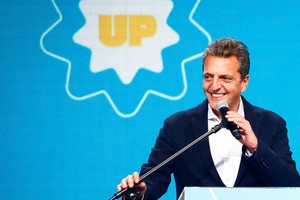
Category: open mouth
<point>217,95</point>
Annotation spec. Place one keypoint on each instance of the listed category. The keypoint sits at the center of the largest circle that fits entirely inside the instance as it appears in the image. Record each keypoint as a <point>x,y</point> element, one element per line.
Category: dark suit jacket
<point>271,165</point>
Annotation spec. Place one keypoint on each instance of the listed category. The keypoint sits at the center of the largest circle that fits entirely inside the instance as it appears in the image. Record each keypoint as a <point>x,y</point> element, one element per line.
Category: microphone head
<point>221,104</point>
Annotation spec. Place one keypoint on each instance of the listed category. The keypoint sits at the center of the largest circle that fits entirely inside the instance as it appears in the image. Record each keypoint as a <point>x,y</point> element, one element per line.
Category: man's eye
<point>207,78</point>
<point>227,79</point>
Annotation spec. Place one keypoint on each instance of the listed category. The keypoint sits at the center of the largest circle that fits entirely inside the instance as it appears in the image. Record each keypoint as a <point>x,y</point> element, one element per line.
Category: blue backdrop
<point>79,112</point>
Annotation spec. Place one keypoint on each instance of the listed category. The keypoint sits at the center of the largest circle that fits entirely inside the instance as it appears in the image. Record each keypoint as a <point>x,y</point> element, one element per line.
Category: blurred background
<point>79,113</point>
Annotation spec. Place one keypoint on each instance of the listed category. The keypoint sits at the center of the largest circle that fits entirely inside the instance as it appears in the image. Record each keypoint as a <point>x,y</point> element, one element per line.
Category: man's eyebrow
<point>221,75</point>
<point>225,75</point>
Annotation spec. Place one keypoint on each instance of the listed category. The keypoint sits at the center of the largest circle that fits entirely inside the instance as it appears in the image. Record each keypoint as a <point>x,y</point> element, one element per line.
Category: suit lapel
<point>200,126</point>
<point>254,120</point>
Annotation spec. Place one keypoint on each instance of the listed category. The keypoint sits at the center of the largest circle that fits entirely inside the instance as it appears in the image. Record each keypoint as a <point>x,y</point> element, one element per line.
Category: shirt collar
<point>212,116</point>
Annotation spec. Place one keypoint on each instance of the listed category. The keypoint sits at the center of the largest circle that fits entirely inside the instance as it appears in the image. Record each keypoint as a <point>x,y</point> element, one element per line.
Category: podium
<point>237,193</point>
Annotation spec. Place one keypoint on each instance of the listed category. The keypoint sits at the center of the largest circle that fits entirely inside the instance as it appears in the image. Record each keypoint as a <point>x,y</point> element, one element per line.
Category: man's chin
<point>217,99</point>
<point>213,101</point>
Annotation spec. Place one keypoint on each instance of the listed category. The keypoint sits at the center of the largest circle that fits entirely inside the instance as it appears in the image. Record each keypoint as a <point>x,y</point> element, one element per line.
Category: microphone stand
<point>214,129</point>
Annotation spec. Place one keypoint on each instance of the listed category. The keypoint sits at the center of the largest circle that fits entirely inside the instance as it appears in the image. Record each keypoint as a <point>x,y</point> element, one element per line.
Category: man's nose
<point>216,84</point>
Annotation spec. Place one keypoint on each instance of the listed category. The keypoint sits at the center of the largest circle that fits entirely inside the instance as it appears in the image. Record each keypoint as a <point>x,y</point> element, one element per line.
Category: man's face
<point>222,81</point>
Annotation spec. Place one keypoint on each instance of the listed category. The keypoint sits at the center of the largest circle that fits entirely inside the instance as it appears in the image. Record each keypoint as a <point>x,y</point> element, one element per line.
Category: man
<point>260,158</point>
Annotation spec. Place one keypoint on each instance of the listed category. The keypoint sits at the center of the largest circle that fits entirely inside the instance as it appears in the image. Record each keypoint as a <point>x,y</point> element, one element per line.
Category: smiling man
<point>260,158</point>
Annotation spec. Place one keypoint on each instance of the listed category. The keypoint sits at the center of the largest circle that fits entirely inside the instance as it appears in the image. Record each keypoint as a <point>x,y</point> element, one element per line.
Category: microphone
<point>222,107</point>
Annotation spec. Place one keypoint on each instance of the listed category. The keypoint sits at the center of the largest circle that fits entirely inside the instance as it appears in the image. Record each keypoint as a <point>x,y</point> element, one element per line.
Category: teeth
<point>217,95</point>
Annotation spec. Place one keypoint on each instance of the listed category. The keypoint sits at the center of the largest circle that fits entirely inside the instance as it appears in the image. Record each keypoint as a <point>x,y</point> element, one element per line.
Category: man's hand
<point>132,181</point>
<point>249,139</point>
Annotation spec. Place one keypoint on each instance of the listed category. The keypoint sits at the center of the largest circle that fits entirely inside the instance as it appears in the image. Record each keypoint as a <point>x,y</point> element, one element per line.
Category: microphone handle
<point>236,134</point>
<point>229,125</point>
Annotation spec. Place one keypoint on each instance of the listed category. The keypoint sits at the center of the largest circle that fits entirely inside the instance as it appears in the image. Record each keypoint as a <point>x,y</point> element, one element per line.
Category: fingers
<point>249,138</point>
<point>142,186</point>
<point>136,177</point>
<point>243,125</point>
<point>129,181</point>
<point>133,181</point>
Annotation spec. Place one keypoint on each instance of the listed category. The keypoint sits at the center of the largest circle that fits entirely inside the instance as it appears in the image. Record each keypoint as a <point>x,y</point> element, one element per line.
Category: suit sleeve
<point>273,159</point>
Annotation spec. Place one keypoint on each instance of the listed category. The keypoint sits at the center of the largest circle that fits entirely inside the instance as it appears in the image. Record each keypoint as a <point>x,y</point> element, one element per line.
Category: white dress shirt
<point>226,151</point>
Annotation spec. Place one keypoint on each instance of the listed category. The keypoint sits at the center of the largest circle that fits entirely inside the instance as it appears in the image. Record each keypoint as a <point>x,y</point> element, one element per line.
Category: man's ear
<point>245,82</point>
